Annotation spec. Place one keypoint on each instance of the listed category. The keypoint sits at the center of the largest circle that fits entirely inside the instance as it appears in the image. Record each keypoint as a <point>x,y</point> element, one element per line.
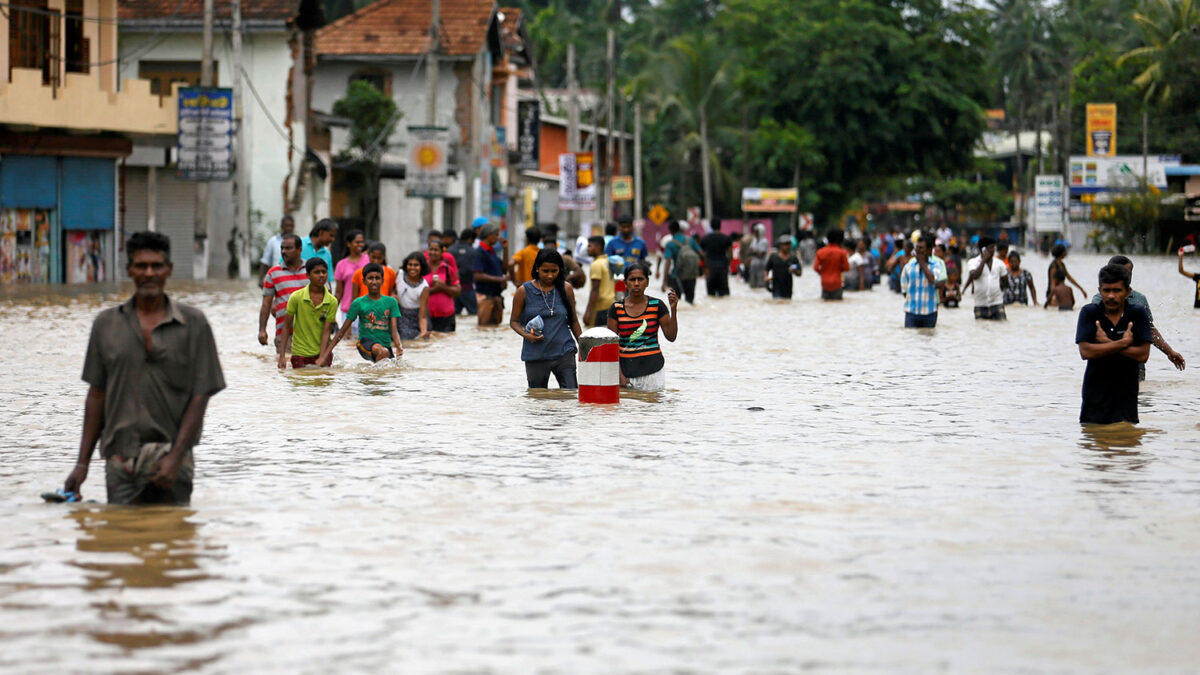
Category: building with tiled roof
<point>401,28</point>
<point>185,12</point>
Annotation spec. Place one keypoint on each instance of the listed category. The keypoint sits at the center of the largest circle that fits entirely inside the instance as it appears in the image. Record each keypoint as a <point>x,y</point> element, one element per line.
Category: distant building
<point>65,127</point>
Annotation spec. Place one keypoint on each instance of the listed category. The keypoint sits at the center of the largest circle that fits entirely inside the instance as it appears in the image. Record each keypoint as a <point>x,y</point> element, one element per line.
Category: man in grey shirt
<point>151,365</point>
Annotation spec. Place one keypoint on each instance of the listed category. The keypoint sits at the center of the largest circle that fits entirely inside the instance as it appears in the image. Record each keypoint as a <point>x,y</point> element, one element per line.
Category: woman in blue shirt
<point>552,348</point>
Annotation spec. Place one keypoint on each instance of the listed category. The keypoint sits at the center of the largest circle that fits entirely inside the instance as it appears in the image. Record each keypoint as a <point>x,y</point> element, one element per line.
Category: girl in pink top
<point>346,267</point>
<point>443,288</point>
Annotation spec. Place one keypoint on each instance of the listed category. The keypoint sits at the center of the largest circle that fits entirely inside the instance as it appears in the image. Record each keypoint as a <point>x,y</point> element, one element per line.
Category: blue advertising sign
<point>205,142</point>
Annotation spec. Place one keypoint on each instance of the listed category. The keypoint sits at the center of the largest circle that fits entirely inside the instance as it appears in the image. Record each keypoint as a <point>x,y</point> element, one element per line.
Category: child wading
<point>377,315</point>
<point>311,312</point>
<point>637,320</point>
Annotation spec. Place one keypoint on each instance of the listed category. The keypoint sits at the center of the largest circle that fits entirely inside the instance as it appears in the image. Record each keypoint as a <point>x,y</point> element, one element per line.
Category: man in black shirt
<point>464,252</point>
<point>781,267</point>
<point>1113,337</point>
<point>717,247</point>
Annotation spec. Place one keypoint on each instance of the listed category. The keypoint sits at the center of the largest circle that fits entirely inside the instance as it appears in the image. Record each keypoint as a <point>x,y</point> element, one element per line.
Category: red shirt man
<point>832,261</point>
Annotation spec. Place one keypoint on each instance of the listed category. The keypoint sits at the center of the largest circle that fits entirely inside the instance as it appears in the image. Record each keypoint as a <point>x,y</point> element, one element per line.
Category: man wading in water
<point>151,365</point>
<point>1113,337</point>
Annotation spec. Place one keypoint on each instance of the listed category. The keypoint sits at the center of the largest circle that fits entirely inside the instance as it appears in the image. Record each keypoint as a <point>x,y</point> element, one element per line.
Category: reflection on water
<point>817,488</point>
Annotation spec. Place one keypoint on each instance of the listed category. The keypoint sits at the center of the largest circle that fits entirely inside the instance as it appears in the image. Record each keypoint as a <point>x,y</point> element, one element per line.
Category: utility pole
<point>431,85</point>
<point>241,184</point>
<point>572,127</point>
<point>622,145</point>
<point>637,161</point>
<point>1145,144</point>
<point>200,222</point>
<point>605,200</point>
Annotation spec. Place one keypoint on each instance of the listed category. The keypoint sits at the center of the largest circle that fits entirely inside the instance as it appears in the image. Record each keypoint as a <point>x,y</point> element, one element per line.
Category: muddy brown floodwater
<point>818,489</point>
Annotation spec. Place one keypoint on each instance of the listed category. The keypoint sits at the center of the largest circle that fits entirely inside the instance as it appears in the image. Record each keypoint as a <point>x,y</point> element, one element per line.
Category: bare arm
<point>189,430</point>
<point>1181,270</point>
<point>285,341</point>
<point>325,346</point>
<point>593,296</point>
<point>576,329</point>
<point>668,322</point>
<point>612,325</point>
<point>423,314</point>
<point>1032,291</point>
<point>327,349</point>
<point>514,318</point>
<point>341,291</point>
<point>1160,342</point>
<point>263,313</point>
<point>1072,280</point>
<point>93,424</point>
<point>397,344</point>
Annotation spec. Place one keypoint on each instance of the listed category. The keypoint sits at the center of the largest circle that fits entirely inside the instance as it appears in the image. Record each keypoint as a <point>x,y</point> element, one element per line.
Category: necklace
<point>549,302</point>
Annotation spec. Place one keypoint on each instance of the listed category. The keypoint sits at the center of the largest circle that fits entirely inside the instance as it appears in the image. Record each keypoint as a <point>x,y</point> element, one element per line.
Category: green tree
<point>372,116</point>
<point>1170,29</point>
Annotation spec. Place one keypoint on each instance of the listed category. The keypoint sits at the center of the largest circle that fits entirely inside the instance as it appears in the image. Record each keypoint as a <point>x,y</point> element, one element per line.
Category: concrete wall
<point>267,59</point>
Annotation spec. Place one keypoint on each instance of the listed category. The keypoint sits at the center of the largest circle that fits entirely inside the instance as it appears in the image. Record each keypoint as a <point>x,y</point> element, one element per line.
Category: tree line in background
<point>847,99</point>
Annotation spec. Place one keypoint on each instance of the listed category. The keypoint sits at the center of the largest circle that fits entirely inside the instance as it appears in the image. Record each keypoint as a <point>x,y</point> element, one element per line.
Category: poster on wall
<point>86,252</point>
<point>1101,129</point>
<point>24,246</point>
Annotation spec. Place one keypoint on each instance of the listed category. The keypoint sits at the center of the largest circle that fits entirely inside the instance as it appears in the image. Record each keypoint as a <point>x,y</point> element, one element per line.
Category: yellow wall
<point>81,105</point>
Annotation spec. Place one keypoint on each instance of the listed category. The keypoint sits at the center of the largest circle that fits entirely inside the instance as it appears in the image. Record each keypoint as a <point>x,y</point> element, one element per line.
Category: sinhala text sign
<point>1049,199</point>
<point>205,139</point>
<point>576,185</point>
<point>426,175</point>
<point>769,200</point>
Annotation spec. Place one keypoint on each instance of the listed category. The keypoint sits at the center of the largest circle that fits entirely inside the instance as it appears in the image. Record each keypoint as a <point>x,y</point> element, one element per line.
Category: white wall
<point>267,59</point>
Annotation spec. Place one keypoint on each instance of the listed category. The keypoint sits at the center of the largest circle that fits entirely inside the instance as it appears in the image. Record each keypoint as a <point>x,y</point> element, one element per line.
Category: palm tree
<point>695,75</point>
<point>1168,27</point>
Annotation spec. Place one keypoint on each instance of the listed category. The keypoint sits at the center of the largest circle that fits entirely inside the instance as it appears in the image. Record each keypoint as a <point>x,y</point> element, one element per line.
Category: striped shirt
<point>640,353</point>
<point>920,296</point>
<point>281,282</point>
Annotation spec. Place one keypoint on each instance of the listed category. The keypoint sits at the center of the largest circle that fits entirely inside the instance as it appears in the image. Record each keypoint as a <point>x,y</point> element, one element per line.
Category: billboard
<point>1122,172</point>
<point>529,125</point>
<point>426,174</point>
<point>577,181</point>
<point>205,139</point>
<point>1101,129</point>
<point>782,200</point>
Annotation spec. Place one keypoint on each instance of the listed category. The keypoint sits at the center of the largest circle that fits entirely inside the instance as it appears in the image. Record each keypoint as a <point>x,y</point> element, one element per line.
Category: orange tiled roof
<point>401,27</point>
<point>193,10</point>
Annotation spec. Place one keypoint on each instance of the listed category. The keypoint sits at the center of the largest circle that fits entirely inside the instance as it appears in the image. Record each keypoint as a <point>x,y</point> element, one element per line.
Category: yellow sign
<point>1101,129</point>
<point>658,215</point>
<point>622,188</point>
<point>779,200</point>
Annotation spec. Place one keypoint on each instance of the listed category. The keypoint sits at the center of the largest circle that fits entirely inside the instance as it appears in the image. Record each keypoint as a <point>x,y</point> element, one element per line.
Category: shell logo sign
<point>426,175</point>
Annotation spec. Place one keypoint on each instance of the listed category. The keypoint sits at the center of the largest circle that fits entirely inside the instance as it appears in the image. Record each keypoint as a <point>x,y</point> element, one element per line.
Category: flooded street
<point>818,489</point>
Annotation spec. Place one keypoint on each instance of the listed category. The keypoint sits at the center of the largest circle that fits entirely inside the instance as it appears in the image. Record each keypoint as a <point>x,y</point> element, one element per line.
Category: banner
<point>577,182</point>
<point>1048,203</point>
<point>767,199</point>
<point>1098,174</point>
<point>622,188</point>
<point>426,175</point>
<point>205,139</point>
<point>529,129</point>
<point>1101,129</point>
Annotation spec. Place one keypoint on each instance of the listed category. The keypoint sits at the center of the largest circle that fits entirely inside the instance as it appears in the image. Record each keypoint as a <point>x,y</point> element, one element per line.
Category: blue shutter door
<point>89,193</point>
<point>28,182</point>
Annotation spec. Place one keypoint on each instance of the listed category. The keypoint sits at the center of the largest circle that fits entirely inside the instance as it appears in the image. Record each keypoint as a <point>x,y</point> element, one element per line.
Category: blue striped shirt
<point>921,297</point>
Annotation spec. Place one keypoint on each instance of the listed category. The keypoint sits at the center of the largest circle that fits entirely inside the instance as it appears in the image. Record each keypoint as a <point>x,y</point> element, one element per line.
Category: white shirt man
<point>990,277</point>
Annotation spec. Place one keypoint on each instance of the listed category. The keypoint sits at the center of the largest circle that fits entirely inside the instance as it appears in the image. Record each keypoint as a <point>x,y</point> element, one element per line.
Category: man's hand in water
<point>167,469</point>
<point>75,479</point>
<point>1177,359</point>
<point>262,337</point>
<point>282,361</point>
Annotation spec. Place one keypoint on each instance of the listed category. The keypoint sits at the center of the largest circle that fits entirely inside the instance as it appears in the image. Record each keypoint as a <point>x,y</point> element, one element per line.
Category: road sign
<point>1049,199</point>
<point>205,138</point>
<point>658,215</point>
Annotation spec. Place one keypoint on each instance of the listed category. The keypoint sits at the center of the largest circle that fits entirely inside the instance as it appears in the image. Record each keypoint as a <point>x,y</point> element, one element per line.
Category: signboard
<point>426,175</point>
<point>806,221</point>
<point>1049,199</point>
<point>1122,172</point>
<point>1101,129</point>
<point>577,182</point>
<point>767,199</point>
<point>658,215</point>
<point>205,139</point>
<point>529,125</point>
<point>622,188</point>
<point>498,145</point>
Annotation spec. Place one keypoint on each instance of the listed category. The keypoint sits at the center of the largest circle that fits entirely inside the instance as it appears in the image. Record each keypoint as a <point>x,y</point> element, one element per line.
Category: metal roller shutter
<point>135,208</point>
<point>176,211</point>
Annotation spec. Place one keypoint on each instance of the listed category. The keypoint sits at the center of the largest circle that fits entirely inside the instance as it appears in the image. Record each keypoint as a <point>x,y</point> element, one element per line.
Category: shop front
<point>57,219</point>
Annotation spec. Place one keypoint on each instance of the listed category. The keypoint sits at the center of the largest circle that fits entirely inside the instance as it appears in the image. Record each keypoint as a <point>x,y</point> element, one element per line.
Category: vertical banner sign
<point>577,182</point>
<point>1048,210</point>
<point>426,175</point>
<point>622,188</point>
<point>1101,129</point>
<point>529,125</point>
<point>205,140</point>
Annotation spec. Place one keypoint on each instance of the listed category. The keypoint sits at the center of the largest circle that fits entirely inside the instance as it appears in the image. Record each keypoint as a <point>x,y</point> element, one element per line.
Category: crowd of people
<point>464,275</point>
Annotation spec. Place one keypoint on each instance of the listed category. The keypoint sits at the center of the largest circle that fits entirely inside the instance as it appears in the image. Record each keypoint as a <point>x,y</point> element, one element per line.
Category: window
<point>163,74</point>
<point>78,47</point>
<point>33,38</point>
<point>376,77</point>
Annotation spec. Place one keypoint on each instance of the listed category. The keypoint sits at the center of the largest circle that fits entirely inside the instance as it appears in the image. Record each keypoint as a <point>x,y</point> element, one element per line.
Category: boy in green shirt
<point>377,315</point>
<point>310,313</point>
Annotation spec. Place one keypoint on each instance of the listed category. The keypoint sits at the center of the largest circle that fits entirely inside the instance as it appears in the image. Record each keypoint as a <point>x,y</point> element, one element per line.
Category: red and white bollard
<point>599,366</point>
